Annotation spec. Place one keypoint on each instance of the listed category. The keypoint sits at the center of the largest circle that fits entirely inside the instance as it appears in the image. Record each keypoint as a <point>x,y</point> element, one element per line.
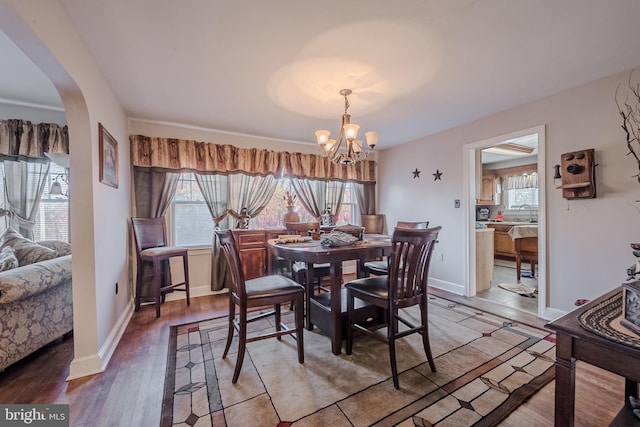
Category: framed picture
<point>108,158</point>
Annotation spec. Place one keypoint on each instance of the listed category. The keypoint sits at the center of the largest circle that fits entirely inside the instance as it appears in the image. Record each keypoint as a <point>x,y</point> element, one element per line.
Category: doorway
<point>510,203</point>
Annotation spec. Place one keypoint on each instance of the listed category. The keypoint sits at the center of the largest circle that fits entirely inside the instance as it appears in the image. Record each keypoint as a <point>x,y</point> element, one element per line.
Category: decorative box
<point>631,306</point>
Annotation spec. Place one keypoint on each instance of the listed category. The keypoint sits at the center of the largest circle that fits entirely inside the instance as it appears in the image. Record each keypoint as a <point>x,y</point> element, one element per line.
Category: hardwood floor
<point>129,392</point>
<point>505,272</point>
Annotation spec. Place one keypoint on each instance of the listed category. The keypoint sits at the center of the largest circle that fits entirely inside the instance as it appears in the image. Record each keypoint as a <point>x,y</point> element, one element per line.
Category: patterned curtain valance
<point>208,158</point>
<point>25,140</point>
<point>521,181</point>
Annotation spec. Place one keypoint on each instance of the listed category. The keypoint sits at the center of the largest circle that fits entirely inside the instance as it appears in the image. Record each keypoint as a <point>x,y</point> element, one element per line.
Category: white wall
<point>588,240</point>
<point>98,213</point>
<point>32,113</point>
<point>169,130</point>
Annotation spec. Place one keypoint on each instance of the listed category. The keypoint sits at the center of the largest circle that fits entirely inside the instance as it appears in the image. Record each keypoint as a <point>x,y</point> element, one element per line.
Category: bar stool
<point>152,250</point>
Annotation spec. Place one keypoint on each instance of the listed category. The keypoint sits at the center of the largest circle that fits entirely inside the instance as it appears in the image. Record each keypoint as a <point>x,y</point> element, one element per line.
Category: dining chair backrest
<point>414,225</point>
<point>373,224</point>
<point>302,228</point>
<point>149,233</point>
<point>409,264</point>
<point>231,253</point>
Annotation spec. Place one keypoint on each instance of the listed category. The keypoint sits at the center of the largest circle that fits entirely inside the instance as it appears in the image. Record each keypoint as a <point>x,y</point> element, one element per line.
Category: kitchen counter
<point>504,245</point>
<point>523,231</point>
<point>493,221</point>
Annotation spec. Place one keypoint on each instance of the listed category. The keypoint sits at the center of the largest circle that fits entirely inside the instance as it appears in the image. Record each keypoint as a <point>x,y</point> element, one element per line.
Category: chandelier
<point>354,149</point>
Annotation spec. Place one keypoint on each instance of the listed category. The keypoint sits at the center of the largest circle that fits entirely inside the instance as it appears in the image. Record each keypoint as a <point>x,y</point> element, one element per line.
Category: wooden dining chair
<point>404,286</point>
<point>152,253</point>
<point>268,290</point>
<point>373,224</point>
<point>380,267</point>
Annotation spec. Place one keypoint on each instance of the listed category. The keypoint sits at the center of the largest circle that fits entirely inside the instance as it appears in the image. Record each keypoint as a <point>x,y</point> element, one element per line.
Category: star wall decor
<point>416,173</point>
<point>437,175</point>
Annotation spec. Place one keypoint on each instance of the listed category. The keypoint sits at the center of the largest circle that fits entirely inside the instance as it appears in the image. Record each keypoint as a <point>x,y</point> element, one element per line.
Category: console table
<point>573,342</point>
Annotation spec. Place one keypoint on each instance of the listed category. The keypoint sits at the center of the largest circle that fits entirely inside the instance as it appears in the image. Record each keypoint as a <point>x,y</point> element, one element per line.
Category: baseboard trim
<point>97,363</point>
<point>84,367</point>
<point>552,313</point>
<point>454,288</point>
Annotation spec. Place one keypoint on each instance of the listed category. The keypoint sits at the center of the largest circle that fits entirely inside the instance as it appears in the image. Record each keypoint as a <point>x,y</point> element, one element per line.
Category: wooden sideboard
<point>257,260</point>
<point>253,252</point>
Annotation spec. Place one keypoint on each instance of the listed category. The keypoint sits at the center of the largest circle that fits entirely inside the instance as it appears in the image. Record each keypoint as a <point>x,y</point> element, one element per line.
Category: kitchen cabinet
<point>489,191</point>
<point>502,241</point>
<point>253,252</point>
<point>484,258</point>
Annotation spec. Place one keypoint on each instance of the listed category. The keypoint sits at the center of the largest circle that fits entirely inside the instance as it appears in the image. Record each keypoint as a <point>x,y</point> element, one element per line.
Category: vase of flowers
<point>290,203</point>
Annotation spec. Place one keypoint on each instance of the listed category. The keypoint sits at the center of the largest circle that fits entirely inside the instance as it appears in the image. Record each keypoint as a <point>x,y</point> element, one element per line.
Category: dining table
<point>328,310</point>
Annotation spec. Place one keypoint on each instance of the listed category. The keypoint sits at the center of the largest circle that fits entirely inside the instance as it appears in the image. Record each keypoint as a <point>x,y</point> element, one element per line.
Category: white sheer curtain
<point>251,192</point>
<point>23,186</point>
<point>311,198</point>
<point>215,189</point>
<point>316,196</point>
<point>334,195</point>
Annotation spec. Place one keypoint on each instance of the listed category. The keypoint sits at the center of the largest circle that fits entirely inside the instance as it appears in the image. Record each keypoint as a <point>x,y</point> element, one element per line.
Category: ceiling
<point>274,69</point>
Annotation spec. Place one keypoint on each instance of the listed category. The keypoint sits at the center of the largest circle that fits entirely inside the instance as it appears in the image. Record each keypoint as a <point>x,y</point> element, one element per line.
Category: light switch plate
<point>456,203</point>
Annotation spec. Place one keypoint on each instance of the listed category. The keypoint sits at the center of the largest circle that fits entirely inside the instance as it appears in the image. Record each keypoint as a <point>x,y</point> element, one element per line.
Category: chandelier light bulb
<point>351,131</point>
<point>322,137</point>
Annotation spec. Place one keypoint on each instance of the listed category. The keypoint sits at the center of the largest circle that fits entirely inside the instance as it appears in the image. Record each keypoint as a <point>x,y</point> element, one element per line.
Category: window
<point>192,224</point>
<point>349,208</point>
<point>521,196</point>
<point>272,216</point>
<point>519,190</point>
<point>52,218</point>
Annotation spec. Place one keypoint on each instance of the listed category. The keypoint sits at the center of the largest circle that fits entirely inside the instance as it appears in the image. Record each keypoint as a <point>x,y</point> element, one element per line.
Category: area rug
<point>486,367</point>
<point>520,289</point>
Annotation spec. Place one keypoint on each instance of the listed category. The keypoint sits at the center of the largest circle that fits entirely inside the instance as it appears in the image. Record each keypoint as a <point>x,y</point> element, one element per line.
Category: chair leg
<point>350,320</point>
<point>533,268</point>
<point>278,320</point>
<point>185,263</point>
<point>299,307</point>
<point>139,276</point>
<point>232,315</point>
<point>308,291</point>
<point>391,336</point>
<point>242,343</point>
<point>157,284</point>
<point>425,335</point>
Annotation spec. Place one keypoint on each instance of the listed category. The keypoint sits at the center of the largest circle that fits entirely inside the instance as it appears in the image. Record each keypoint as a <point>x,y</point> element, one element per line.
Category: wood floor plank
<point>129,392</point>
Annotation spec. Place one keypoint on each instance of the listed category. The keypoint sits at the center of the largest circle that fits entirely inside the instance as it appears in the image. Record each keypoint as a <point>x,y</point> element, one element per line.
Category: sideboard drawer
<point>252,239</point>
